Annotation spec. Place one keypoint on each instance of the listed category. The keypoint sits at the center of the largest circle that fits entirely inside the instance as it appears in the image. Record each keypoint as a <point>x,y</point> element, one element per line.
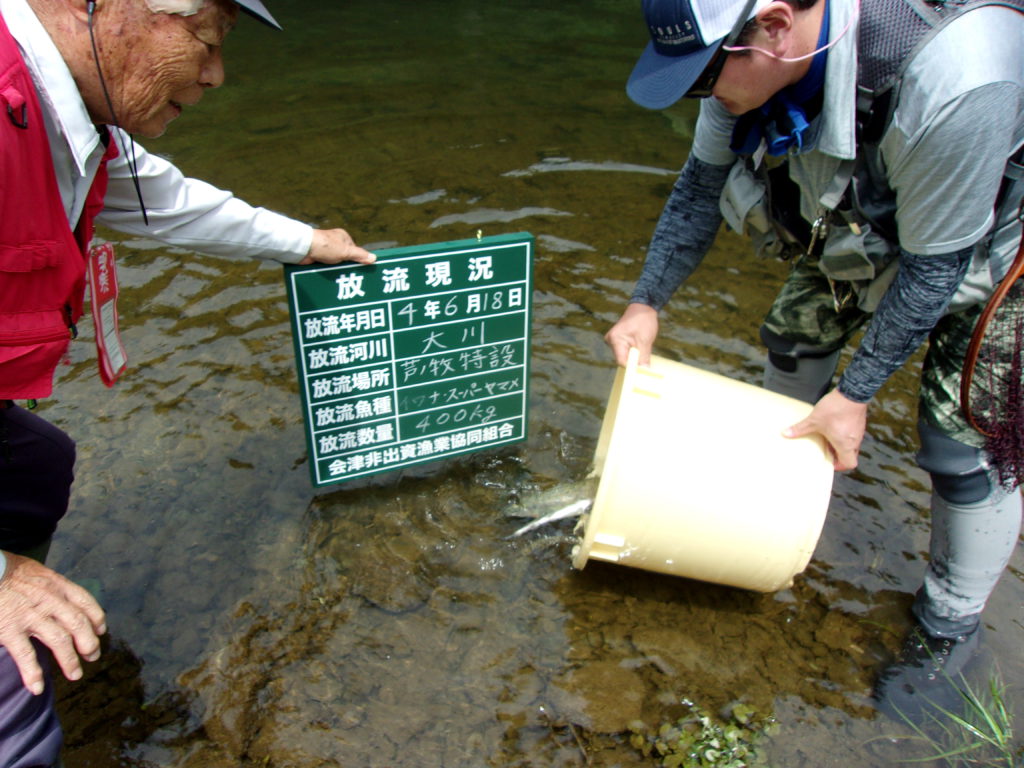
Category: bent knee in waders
<point>797,369</point>
<point>959,472</point>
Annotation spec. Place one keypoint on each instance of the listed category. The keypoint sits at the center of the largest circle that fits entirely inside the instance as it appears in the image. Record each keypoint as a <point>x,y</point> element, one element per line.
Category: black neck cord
<point>132,165</point>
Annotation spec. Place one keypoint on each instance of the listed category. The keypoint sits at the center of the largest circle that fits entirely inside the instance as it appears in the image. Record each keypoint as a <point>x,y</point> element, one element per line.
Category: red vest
<point>42,262</point>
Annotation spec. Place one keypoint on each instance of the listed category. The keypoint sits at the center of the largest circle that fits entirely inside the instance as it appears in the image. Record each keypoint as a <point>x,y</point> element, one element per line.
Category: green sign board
<point>421,355</point>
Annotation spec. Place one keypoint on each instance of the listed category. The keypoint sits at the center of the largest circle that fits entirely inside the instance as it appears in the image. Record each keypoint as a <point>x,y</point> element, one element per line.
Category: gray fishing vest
<point>855,239</point>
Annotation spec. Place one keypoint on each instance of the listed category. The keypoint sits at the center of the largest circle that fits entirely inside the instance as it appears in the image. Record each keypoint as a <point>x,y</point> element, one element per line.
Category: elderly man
<point>77,79</point>
<point>898,212</point>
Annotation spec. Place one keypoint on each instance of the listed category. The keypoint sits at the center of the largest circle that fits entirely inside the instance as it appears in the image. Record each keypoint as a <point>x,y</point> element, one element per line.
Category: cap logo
<point>675,34</point>
<point>673,29</point>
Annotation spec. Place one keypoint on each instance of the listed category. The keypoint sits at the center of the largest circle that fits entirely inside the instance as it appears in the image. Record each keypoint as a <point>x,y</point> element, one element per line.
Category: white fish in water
<point>575,509</point>
<point>537,504</point>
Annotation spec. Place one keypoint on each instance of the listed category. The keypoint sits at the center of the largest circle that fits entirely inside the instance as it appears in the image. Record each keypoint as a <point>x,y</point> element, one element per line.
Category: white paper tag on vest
<point>102,276</point>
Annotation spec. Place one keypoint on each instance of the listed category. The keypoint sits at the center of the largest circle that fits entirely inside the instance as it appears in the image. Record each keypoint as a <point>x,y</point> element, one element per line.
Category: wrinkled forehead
<point>213,18</point>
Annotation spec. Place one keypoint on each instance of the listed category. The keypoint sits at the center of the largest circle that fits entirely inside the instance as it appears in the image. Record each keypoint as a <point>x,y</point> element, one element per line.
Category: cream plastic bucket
<point>696,479</point>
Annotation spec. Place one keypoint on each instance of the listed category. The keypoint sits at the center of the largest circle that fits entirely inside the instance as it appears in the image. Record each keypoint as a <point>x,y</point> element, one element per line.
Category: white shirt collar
<point>53,82</point>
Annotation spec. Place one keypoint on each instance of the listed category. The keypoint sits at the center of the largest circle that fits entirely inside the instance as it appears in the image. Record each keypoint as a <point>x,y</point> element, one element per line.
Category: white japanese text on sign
<point>422,355</point>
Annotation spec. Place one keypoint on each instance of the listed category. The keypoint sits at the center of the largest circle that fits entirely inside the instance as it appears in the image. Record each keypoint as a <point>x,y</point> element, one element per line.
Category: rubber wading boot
<point>925,675</point>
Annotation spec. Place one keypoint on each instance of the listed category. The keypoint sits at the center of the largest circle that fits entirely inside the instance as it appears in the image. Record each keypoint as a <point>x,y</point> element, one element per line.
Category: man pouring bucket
<point>826,133</point>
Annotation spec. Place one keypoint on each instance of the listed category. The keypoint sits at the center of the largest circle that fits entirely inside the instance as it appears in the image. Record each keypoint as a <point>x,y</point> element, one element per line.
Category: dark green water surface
<point>390,622</point>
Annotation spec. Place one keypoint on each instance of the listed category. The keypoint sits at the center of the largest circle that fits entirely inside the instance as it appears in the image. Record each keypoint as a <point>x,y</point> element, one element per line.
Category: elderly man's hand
<point>331,246</point>
<point>36,602</point>
<point>841,422</point>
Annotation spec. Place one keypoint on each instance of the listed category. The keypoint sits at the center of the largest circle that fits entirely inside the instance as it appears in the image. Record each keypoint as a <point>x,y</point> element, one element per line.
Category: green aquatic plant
<point>980,733</point>
<point>697,740</point>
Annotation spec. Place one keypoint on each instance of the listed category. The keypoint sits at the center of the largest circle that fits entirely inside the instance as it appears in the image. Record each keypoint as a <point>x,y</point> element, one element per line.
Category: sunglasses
<point>706,80</point>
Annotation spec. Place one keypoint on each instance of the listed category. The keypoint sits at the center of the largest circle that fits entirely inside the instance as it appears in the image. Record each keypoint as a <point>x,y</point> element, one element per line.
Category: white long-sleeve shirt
<point>183,212</point>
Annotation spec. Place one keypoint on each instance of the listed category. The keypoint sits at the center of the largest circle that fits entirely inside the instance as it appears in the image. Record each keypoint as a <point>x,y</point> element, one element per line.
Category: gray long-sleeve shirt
<point>918,297</point>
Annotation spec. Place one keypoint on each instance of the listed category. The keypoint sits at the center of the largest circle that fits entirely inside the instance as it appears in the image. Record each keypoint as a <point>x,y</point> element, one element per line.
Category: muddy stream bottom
<point>398,626</point>
<point>392,621</point>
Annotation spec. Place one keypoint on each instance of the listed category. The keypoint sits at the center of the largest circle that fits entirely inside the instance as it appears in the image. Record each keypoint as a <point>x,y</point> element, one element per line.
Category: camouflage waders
<point>804,313</point>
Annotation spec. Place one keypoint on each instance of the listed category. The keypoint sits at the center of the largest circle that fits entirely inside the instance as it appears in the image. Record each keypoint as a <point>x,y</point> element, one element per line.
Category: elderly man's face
<point>157,63</point>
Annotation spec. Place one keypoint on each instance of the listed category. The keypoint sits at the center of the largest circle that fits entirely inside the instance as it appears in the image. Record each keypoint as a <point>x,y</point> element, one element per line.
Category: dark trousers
<point>36,471</point>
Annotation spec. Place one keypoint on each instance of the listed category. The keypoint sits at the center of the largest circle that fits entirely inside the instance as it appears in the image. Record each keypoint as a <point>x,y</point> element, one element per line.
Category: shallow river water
<point>255,621</point>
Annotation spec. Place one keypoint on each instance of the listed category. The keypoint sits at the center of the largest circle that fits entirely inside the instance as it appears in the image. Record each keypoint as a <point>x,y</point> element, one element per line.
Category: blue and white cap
<point>684,37</point>
<point>257,9</point>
